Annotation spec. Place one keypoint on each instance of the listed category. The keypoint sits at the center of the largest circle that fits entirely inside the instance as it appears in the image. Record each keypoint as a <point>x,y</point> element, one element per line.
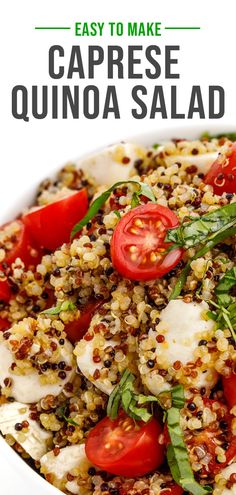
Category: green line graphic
<point>182,27</point>
<point>52,27</point>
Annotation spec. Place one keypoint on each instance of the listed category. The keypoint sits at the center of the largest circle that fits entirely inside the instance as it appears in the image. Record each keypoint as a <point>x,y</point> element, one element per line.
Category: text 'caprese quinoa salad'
<point>118,322</point>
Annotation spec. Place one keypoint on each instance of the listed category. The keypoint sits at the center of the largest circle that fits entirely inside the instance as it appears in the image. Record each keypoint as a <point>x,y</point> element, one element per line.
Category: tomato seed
<point>138,223</point>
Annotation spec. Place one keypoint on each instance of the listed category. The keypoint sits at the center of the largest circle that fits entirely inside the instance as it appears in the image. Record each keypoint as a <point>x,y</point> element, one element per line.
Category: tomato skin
<point>51,225</point>
<point>211,437</point>
<point>4,324</point>
<point>77,329</point>
<point>222,174</point>
<point>173,490</point>
<point>229,387</point>
<point>5,291</point>
<point>125,453</point>
<point>50,300</point>
<point>23,247</point>
<point>146,241</point>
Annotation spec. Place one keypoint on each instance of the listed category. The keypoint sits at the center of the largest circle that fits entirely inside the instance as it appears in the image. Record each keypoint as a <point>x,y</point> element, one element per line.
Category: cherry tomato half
<point>22,246</point>
<point>77,329</point>
<point>217,433</point>
<point>5,292</point>
<point>138,249</point>
<point>124,447</point>
<point>222,174</point>
<point>51,225</point>
<point>172,490</point>
<point>229,387</point>
<point>49,298</point>
<point>4,324</point>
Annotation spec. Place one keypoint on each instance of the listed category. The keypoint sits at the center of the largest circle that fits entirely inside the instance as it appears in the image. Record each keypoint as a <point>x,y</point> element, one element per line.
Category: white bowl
<point>33,483</point>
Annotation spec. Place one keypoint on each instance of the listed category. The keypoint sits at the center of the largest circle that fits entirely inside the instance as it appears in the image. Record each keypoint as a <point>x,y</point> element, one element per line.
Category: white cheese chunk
<point>202,161</point>
<point>182,325</point>
<point>28,388</point>
<point>35,441</point>
<point>106,166</point>
<point>68,459</point>
<point>84,352</point>
<point>225,473</point>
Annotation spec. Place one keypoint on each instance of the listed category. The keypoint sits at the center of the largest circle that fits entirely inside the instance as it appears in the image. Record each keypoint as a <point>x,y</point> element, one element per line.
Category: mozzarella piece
<point>72,487</point>
<point>28,388</point>
<point>183,325</point>
<point>106,167</point>
<point>69,458</point>
<point>35,441</point>
<point>225,473</point>
<point>84,352</point>
<point>202,161</point>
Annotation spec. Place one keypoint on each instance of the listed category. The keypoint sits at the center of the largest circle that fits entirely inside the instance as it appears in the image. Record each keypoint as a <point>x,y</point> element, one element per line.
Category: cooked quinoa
<point>65,385</point>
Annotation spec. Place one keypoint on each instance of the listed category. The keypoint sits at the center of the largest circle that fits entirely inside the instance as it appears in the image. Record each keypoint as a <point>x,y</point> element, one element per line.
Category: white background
<point>29,151</point>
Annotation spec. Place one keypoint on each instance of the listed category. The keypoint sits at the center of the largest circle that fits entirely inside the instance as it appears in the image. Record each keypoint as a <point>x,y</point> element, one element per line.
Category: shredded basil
<point>124,395</point>
<point>213,240</point>
<point>117,213</point>
<point>135,201</point>
<point>177,454</point>
<point>225,308</point>
<point>144,189</point>
<point>61,414</point>
<point>55,310</point>
<point>203,229</point>
<point>210,230</point>
<point>177,395</point>
<point>227,282</point>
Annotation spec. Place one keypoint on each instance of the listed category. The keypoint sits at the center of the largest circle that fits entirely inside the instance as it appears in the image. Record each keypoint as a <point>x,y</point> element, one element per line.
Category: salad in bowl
<point>118,322</point>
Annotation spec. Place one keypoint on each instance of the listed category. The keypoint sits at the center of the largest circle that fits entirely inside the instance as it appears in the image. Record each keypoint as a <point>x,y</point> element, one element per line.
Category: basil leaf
<point>117,213</point>
<point>183,477</point>
<point>181,281</point>
<point>177,394</point>
<point>227,282</point>
<point>114,409</point>
<point>135,200</point>
<point>115,397</point>
<point>177,454</point>
<point>144,189</point>
<point>71,421</point>
<point>124,396</point>
<point>126,399</point>
<point>55,310</point>
<point>143,399</point>
<point>60,412</point>
<point>214,240</point>
<point>225,313</point>
<point>139,413</point>
<point>211,315</point>
<point>173,464</point>
<point>202,229</point>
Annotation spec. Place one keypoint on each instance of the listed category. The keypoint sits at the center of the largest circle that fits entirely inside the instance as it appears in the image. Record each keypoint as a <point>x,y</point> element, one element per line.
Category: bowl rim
<point>190,131</point>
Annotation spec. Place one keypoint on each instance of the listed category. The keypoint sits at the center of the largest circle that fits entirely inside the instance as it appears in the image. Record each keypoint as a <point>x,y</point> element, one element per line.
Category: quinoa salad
<point>118,322</point>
